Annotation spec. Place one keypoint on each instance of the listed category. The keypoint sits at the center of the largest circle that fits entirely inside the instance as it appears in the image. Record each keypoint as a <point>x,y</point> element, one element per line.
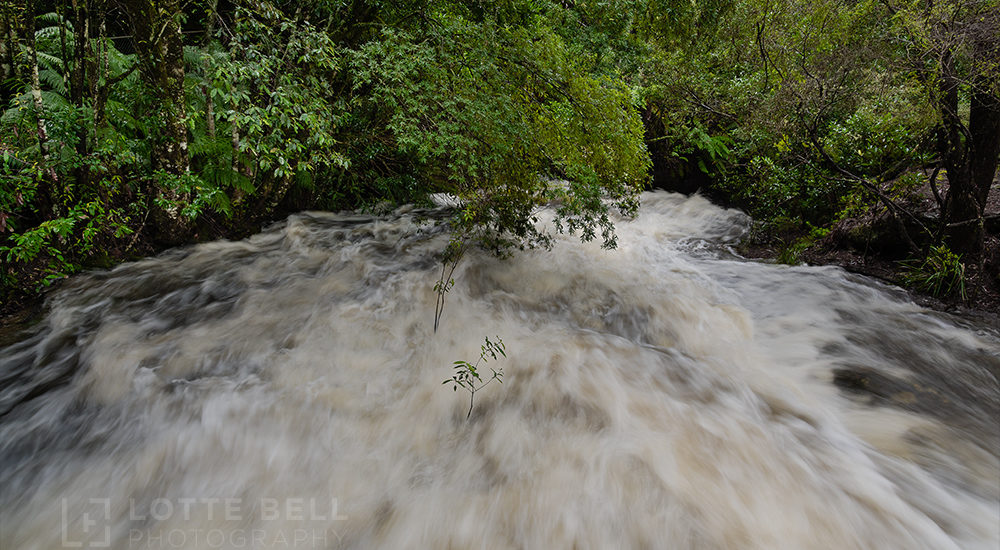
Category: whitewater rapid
<point>285,391</point>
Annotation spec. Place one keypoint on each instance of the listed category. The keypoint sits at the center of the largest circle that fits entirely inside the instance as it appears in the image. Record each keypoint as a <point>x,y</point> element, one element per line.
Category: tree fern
<point>118,62</point>
<point>48,61</point>
<point>53,19</point>
<point>54,80</point>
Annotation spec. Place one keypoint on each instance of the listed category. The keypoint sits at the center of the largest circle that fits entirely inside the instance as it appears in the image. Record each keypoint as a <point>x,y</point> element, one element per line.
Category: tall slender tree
<point>156,27</point>
<point>48,188</point>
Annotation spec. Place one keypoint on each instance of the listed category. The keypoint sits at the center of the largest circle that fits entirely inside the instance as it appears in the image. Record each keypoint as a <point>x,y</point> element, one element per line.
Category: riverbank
<point>872,242</point>
<point>983,305</point>
<point>24,305</point>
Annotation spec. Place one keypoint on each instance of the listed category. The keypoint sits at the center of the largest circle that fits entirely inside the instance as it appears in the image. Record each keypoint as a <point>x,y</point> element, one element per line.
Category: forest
<point>129,126</point>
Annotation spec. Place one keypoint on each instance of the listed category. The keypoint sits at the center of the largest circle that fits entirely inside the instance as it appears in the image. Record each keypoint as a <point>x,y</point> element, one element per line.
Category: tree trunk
<point>106,82</point>
<point>60,7</point>
<point>172,153</point>
<point>234,138</point>
<point>961,232</point>
<point>160,48</point>
<point>166,55</point>
<point>82,68</point>
<point>970,157</point>
<point>207,89</point>
<point>984,123</point>
<point>8,48</point>
<point>48,186</point>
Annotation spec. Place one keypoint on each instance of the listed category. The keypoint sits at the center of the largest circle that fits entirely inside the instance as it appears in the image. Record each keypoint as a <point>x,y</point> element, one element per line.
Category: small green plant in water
<point>452,254</point>
<point>467,375</point>
<point>941,273</point>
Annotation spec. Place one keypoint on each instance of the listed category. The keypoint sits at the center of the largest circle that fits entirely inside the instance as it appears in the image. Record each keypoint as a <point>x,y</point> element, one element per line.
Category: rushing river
<point>286,392</point>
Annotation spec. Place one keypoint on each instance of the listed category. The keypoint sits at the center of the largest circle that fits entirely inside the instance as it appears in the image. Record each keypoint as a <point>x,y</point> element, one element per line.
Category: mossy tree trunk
<point>160,46</point>
<point>48,191</point>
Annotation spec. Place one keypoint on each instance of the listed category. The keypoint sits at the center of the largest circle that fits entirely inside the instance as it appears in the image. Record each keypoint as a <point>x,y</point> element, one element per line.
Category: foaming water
<point>285,391</point>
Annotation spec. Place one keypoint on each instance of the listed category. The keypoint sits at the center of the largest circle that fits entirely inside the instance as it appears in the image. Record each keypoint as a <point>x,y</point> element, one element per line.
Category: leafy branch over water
<point>467,375</point>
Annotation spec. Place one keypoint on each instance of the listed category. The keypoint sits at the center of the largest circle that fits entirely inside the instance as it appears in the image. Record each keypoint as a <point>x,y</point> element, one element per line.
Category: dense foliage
<point>217,116</point>
<point>130,125</point>
<point>809,113</point>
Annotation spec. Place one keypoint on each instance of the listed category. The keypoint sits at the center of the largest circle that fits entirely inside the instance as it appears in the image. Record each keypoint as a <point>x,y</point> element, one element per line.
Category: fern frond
<point>54,80</point>
<point>222,176</point>
<point>53,18</point>
<point>193,55</point>
<point>118,63</point>
<point>48,61</point>
<point>53,100</point>
<point>193,79</point>
<point>48,33</point>
<point>121,118</point>
<point>117,56</point>
<point>220,148</point>
<point>14,116</point>
<point>216,53</point>
<point>304,179</point>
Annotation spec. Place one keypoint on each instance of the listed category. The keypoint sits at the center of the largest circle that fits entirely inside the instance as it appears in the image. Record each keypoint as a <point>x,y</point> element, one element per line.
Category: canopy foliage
<point>155,121</point>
